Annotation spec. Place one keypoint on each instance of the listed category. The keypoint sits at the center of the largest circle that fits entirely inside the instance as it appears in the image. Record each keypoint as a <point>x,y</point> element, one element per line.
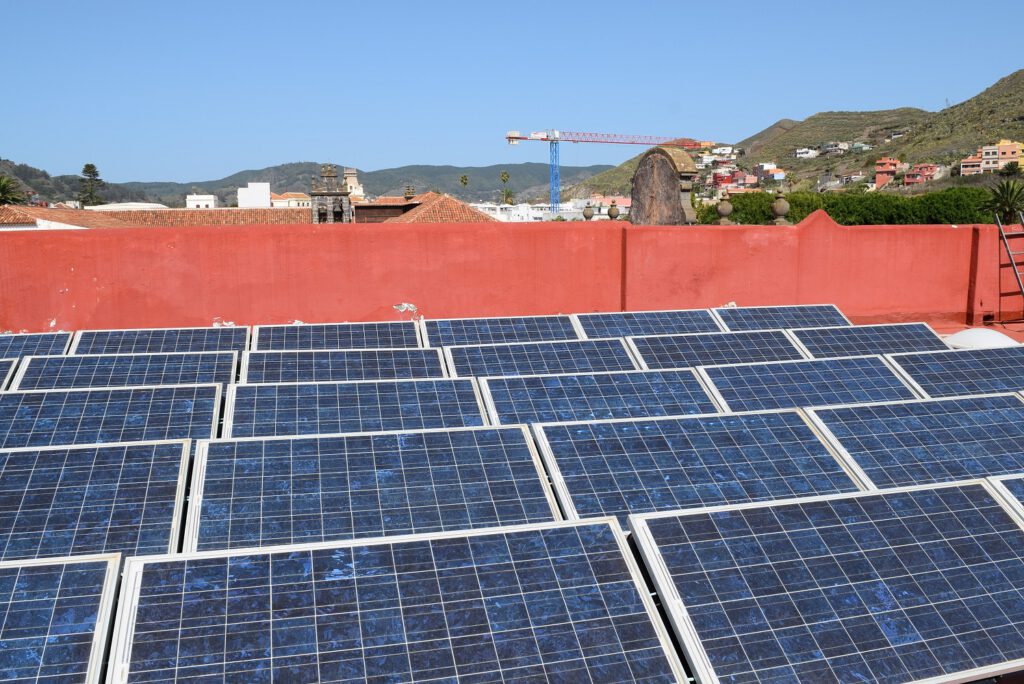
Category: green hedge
<point>950,206</point>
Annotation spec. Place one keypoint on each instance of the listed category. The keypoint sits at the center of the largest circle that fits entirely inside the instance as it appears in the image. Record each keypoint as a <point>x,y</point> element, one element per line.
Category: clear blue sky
<point>191,91</point>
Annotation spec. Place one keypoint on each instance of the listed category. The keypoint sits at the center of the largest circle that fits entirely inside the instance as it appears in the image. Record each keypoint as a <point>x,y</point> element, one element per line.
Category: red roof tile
<point>18,215</point>
<point>435,208</point>
<point>209,217</point>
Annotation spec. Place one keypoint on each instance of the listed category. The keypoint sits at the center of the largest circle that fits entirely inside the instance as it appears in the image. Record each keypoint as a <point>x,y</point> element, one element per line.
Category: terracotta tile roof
<point>435,208</point>
<point>209,217</point>
<point>392,200</point>
<point>19,215</point>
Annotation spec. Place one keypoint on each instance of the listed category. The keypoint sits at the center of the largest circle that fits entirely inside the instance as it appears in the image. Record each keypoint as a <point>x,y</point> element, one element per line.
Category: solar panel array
<point>123,370</point>
<point>540,358</point>
<point>590,396</point>
<point>685,351</point>
<point>340,365</point>
<point>447,332</point>
<point>446,500</point>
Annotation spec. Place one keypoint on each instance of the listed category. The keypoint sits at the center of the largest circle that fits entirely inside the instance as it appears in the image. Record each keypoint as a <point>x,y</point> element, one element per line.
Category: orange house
<point>885,170</point>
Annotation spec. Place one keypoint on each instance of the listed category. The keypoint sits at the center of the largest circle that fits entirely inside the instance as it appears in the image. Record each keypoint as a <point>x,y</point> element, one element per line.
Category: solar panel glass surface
<point>1015,485</point>
<point>340,365</point>
<point>447,332</point>
<point>390,334</point>
<point>780,317</point>
<point>962,372</point>
<point>93,416</point>
<point>889,587</point>
<point>33,344</point>
<point>857,340</point>
<point>88,500</point>
<point>594,396</point>
<point>627,323</point>
<point>6,371</point>
<point>122,370</point>
<point>794,384</point>
<point>283,491</point>
<point>326,408</point>
<point>931,441</point>
<point>622,467</point>
<point>685,351</point>
<point>579,356</point>
<point>536,604</point>
<point>156,340</point>
<point>55,619</point>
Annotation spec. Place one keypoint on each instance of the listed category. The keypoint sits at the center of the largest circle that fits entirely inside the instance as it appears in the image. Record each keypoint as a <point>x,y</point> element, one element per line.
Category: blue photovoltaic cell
<point>793,384</point>
<point>856,340</point>
<point>85,500</point>
<point>50,615</point>
<point>111,415</point>
<point>33,344</point>
<point>274,491</point>
<point>629,323</point>
<point>684,351</point>
<point>6,366</point>
<point>325,408</point>
<point>595,396</point>
<point>932,441</point>
<point>122,370</point>
<point>780,317</point>
<point>578,356</point>
<point>455,331</point>
<point>390,334</point>
<point>974,371</point>
<point>535,605</point>
<point>1016,487</point>
<point>340,365</point>
<point>154,341</point>
<point>618,468</point>
<point>888,587</point>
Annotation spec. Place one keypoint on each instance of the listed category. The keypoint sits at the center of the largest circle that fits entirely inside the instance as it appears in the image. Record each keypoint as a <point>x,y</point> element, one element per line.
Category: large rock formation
<point>661,188</point>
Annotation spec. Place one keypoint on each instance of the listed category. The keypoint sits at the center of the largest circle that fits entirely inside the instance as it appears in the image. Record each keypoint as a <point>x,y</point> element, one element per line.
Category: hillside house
<point>920,173</point>
<point>885,170</point>
<point>806,153</point>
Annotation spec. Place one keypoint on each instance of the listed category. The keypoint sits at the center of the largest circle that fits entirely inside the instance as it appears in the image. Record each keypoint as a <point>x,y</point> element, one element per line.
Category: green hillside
<point>754,143</point>
<point>55,188</point>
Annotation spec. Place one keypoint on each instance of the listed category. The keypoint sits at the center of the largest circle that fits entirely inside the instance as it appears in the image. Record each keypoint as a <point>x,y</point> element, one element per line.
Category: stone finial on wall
<point>724,209</point>
<point>662,186</point>
<point>780,208</point>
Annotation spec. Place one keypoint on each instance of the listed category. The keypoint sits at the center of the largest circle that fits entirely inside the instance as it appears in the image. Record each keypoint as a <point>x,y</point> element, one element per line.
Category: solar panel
<point>339,365</point>
<point>894,586</point>
<point>527,358</point>
<point>627,323</point>
<point>447,332</point>
<point>967,371</point>
<point>380,335</point>
<point>793,384</point>
<point>780,317</point>
<point>156,340</point>
<point>92,416</point>
<point>122,370</point>
<point>593,396</point>
<point>1012,488</point>
<point>923,442</point>
<point>6,371</point>
<point>262,492</point>
<point>618,467</point>
<point>32,344</point>
<point>708,349</point>
<point>551,602</point>
<point>56,617</point>
<point>334,407</point>
<point>70,501</point>
<point>855,340</point>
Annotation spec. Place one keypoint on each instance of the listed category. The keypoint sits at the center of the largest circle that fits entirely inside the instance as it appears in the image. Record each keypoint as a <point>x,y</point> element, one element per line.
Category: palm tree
<point>10,191</point>
<point>463,180</point>
<point>506,195</point>
<point>1006,200</point>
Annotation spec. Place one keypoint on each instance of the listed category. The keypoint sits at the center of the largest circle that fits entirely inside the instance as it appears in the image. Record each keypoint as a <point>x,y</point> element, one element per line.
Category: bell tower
<point>329,200</point>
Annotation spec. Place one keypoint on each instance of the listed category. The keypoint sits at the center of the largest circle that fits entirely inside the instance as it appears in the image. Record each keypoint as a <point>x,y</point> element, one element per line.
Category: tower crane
<point>554,137</point>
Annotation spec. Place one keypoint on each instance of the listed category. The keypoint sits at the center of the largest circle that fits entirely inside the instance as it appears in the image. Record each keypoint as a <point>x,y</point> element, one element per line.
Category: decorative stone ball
<point>724,208</point>
<point>588,212</point>
<point>613,211</point>
<point>780,207</point>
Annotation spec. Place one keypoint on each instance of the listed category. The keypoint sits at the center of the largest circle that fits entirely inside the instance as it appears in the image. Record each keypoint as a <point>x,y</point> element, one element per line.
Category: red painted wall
<point>153,277</point>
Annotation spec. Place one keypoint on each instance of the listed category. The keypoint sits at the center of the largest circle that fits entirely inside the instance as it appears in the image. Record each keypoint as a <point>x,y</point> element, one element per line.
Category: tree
<point>1006,199</point>
<point>507,197</point>
<point>10,191</point>
<point>1011,169</point>
<point>90,185</point>
<point>463,180</point>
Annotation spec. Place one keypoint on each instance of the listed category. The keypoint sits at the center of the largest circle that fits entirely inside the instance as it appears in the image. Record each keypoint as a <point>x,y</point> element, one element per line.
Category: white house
<point>200,201</point>
<point>255,196</point>
<point>289,200</point>
<point>806,153</point>
<point>723,150</point>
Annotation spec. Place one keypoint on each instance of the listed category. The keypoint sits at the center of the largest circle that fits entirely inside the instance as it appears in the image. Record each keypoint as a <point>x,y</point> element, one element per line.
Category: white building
<point>289,200</point>
<point>724,150</point>
<point>255,196</point>
<point>806,153</point>
<point>200,201</point>
<point>355,188</point>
